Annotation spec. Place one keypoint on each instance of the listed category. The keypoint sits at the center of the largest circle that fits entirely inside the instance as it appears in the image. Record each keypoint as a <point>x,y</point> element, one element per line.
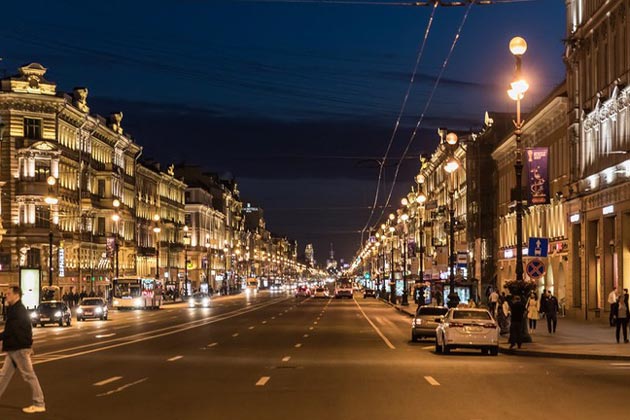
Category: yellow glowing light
<point>51,180</point>
<point>451,165</point>
<point>115,217</point>
<point>116,203</point>
<point>404,201</point>
<point>451,138</point>
<point>421,198</point>
<point>518,46</point>
<point>392,216</point>
<point>51,200</point>
<point>404,217</point>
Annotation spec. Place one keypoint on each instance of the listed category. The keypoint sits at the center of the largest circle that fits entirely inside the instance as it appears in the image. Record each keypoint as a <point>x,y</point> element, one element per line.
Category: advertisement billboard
<point>30,283</point>
<point>536,170</point>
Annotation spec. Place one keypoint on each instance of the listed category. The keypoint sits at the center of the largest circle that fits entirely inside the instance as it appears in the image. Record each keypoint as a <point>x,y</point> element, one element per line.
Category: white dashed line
<point>263,381</point>
<point>235,335</point>
<point>286,358</point>
<point>251,328</point>
<point>105,335</point>
<point>122,388</point>
<point>431,381</point>
<point>298,345</point>
<point>108,381</point>
<point>213,344</point>
<point>172,359</point>
<point>264,322</point>
<point>305,335</point>
<point>311,328</point>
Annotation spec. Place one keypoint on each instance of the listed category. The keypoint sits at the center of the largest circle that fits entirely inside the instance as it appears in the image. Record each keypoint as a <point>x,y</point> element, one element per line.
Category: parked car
<point>321,292</point>
<point>369,293</point>
<point>425,321</point>
<point>467,328</point>
<point>199,300</point>
<point>51,312</point>
<point>95,308</point>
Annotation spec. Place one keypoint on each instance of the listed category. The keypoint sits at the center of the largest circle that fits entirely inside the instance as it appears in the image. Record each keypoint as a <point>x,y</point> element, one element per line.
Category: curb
<point>556,355</point>
<point>399,309</point>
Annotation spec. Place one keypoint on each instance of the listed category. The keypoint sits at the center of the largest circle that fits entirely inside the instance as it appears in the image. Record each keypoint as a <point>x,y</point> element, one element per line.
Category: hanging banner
<point>536,170</point>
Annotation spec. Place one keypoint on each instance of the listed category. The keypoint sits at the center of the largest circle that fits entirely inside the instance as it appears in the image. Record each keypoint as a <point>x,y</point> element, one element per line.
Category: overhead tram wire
<point>427,105</point>
<point>397,124</point>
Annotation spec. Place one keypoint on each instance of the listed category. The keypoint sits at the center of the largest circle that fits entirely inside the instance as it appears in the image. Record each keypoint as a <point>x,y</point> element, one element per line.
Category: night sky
<point>291,99</point>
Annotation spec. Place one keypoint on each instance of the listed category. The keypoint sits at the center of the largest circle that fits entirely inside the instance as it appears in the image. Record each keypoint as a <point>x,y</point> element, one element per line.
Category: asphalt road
<point>277,357</point>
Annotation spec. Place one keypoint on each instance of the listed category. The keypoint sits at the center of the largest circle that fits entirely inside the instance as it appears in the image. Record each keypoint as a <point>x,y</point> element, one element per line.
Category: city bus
<point>136,293</point>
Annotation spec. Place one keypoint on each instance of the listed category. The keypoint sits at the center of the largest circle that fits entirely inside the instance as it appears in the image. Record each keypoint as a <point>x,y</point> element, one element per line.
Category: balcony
<point>31,187</point>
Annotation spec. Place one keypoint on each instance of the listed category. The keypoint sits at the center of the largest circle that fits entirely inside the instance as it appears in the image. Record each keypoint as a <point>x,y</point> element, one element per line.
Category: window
<point>101,188</point>
<point>42,169</point>
<point>32,128</point>
<point>100,226</point>
<point>42,216</point>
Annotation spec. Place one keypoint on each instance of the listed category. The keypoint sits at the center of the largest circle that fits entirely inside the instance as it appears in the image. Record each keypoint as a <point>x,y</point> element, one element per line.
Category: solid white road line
<point>428,347</point>
<point>213,344</point>
<point>286,358</point>
<point>311,328</point>
<point>172,359</point>
<point>264,322</point>
<point>108,381</point>
<point>122,388</point>
<point>298,345</point>
<point>431,381</point>
<point>263,381</point>
<point>620,364</point>
<point>105,335</point>
<point>385,339</point>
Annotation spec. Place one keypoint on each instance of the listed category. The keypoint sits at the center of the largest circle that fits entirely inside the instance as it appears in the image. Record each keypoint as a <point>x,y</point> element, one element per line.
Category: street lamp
<point>51,200</point>
<point>116,219</point>
<point>186,242</point>
<point>450,167</point>
<point>404,217</point>
<point>157,230</point>
<point>392,280</point>
<point>519,86</point>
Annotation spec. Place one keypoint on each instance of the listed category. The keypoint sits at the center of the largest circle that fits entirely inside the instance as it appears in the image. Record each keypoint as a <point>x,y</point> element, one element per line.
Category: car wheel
<point>41,324</point>
<point>484,350</point>
<point>69,323</point>
<point>34,324</point>
<point>494,351</point>
<point>61,322</point>
<point>414,338</point>
<point>446,349</point>
<point>438,347</point>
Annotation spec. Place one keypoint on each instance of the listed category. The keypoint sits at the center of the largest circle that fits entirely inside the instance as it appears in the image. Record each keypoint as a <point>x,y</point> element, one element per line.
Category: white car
<point>321,292</point>
<point>467,328</point>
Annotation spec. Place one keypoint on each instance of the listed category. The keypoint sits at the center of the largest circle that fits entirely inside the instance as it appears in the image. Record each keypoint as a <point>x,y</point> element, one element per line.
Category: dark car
<point>424,323</point>
<point>52,312</point>
<point>369,293</point>
<point>92,308</point>
<point>201,300</point>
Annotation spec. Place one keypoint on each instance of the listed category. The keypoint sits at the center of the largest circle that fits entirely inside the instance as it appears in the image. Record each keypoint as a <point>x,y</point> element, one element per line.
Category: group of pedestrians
<point>72,298</point>
<point>619,313</point>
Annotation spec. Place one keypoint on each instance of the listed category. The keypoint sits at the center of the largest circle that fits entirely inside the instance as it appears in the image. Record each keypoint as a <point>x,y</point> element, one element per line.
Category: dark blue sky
<point>287,97</point>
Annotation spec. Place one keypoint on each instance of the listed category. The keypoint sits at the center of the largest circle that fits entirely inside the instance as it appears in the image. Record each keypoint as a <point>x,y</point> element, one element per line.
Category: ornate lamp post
<point>518,47</point>
<point>392,274</point>
<point>51,200</point>
<point>186,243</point>
<point>116,219</point>
<point>450,167</point>
<point>157,230</point>
<point>404,217</point>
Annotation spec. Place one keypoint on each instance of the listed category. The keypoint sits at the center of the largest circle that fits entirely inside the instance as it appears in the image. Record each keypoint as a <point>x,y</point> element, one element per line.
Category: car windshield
<point>482,315</point>
<point>50,305</point>
<point>432,310</point>
<point>91,302</point>
<point>199,295</point>
<point>319,290</point>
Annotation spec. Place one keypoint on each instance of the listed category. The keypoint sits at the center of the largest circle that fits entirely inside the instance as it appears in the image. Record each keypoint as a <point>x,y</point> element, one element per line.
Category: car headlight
<point>205,301</point>
<point>33,314</point>
<point>79,310</point>
<point>58,314</point>
<point>137,302</point>
<point>98,310</point>
<point>116,302</point>
<point>191,302</point>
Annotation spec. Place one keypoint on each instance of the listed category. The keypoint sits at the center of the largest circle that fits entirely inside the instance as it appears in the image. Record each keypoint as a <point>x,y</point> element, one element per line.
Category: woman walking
<point>532,311</point>
<point>621,314</point>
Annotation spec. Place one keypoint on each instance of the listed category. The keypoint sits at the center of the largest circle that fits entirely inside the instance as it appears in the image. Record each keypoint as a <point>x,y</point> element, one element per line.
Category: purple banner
<point>110,246</point>
<point>536,170</point>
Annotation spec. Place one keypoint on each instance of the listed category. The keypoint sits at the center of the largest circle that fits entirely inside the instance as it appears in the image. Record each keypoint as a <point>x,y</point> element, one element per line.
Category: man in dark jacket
<point>518,318</point>
<point>17,340</point>
<point>551,312</point>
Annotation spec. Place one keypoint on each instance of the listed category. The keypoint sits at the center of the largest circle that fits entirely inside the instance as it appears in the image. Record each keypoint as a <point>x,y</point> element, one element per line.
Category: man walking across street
<point>612,301</point>
<point>17,340</point>
<point>551,312</point>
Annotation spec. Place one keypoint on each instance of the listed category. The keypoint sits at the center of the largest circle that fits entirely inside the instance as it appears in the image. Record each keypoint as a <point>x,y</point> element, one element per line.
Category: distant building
<point>309,255</point>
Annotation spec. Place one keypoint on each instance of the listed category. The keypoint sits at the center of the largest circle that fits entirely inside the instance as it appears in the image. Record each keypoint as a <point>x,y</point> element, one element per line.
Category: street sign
<point>538,247</point>
<point>535,268</point>
<point>462,259</point>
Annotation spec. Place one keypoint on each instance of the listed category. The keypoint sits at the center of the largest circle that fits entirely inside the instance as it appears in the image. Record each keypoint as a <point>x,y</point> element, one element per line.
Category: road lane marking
<point>108,381</point>
<point>122,388</point>
<point>431,381</point>
<point>385,339</point>
<point>105,335</point>
<point>428,347</point>
<point>273,317</point>
<point>235,335</point>
<point>264,322</point>
<point>311,328</point>
<point>263,381</point>
<point>55,355</point>
<point>286,358</point>
<point>620,364</point>
<point>305,335</point>
<point>213,344</point>
<point>252,327</point>
<point>172,359</point>
<point>315,323</point>
<point>298,345</point>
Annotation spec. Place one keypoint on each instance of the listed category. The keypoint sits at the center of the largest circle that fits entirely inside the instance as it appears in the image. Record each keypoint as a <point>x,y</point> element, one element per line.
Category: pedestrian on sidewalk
<point>621,318</point>
<point>517,310</point>
<point>532,311</point>
<point>17,340</point>
<point>612,301</point>
<point>503,315</point>
<point>493,300</point>
<point>551,312</point>
<point>541,304</point>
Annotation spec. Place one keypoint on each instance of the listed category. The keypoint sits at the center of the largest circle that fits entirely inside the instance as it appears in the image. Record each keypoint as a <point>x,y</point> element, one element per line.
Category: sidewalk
<point>574,339</point>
